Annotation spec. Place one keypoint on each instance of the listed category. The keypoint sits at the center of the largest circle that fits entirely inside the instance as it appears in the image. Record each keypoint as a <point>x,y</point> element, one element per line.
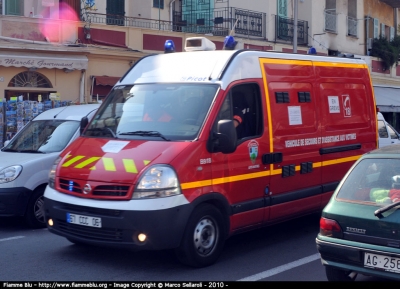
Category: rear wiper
<point>378,213</point>
<point>145,133</point>
<point>103,129</point>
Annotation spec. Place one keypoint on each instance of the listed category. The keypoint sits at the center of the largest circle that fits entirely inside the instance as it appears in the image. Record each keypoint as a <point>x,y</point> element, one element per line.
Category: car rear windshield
<point>372,181</point>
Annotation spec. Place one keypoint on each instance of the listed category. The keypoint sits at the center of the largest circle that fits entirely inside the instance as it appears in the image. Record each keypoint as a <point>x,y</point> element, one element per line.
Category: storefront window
<point>30,79</point>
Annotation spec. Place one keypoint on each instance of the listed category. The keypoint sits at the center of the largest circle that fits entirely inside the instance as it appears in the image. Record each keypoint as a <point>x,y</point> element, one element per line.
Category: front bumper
<point>120,228</point>
<point>351,257</point>
<point>13,201</point>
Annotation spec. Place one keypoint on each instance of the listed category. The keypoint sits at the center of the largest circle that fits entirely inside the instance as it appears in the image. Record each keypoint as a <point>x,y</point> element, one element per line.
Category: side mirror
<point>84,123</point>
<point>226,136</point>
<point>6,143</point>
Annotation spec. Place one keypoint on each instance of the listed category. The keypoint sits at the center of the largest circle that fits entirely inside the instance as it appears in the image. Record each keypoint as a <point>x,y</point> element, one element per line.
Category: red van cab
<point>190,148</point>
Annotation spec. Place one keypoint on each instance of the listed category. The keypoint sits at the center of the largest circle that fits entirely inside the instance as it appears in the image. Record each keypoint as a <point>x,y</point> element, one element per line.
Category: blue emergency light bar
<point>229,43</point>
<point>169,46</point>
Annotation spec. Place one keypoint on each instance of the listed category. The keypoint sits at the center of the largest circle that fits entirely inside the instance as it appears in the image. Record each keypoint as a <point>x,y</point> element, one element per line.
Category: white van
<point>387,134</point>
<point>28,157</point>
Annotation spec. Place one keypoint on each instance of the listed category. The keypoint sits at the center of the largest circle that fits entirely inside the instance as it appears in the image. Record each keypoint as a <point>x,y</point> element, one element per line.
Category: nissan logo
<point>87,189</point>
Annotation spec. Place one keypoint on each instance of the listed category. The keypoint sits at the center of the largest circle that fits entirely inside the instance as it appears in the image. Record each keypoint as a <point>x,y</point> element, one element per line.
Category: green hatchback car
<point>360,226</point>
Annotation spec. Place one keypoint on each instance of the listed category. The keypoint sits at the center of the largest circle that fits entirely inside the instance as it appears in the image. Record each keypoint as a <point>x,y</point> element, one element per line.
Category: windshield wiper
<point>106,130</point>
<point>145,133</point>
<point>378,213</point>
<point>32,151</point>
<point>23,151</point>
<point>10,150</point>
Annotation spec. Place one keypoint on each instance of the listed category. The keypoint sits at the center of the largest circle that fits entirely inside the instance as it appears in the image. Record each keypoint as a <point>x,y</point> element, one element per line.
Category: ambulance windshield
<point>159,112</point>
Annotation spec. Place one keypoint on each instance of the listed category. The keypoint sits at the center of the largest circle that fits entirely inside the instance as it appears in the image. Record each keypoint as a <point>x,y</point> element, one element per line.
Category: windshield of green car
<point>372,181</point>
<point>162,112</point>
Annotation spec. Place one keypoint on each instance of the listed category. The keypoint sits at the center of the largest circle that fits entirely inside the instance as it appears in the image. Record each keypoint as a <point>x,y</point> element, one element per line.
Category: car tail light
<point>329,228</point>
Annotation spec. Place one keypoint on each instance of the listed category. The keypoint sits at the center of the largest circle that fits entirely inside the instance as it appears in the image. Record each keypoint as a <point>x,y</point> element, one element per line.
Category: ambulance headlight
<point>9,174</point>
<point>52,173</point>
<point>157,182</point>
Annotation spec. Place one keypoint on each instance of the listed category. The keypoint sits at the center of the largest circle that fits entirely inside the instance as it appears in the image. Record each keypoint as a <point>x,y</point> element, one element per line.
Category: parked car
<point>27,158</point>
<point>360,226</point>
<point>387,134</point>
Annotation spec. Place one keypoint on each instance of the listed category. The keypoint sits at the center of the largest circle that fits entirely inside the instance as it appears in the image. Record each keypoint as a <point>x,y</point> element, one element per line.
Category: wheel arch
<point>221,203</point>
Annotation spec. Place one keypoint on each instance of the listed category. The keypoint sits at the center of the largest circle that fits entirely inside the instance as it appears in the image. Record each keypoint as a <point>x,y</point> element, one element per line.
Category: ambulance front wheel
<point>204,237</point>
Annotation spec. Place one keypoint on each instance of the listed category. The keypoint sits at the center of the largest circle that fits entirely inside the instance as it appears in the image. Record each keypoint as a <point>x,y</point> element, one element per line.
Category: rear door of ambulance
<point>295,133</point>
<point>348,119</point>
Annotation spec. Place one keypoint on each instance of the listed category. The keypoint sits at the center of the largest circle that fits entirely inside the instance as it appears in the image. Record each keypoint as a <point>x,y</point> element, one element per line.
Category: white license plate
<point>84,220</point>
<point>386,263</point>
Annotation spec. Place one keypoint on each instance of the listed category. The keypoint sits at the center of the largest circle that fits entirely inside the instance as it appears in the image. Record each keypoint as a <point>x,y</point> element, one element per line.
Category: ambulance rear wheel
<point>203,239</point>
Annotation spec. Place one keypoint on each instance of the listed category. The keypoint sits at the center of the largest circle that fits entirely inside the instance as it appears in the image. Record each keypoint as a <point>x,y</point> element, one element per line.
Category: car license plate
<point>386,263</point>
<point>84,220</point>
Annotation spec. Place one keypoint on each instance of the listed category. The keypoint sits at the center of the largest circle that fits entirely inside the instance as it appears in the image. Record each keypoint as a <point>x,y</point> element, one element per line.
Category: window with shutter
<point>376,27</point>
<point>391,33</point>
<point>14,7</point>
<point>115,12</point>
<point>158,4</point>
<point>282,8</point>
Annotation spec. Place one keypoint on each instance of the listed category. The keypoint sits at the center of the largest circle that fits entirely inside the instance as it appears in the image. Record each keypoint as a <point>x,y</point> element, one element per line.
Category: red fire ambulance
<point>192,147</point>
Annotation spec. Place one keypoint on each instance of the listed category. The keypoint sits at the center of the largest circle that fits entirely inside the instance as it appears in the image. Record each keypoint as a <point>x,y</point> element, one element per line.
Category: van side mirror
<point>224,140</point>
<point>84,123</point>
<point>6,143</point>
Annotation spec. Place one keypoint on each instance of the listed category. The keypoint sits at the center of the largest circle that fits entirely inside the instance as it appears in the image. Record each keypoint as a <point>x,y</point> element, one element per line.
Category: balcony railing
<point>121,20</point>
<point>352,26</point>
<point>217,22</point>
<point>330,20</point>
<point>284,28</point>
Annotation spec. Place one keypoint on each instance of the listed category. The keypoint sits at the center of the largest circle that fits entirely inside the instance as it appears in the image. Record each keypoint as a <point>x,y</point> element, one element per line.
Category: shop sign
<point>42,61</point>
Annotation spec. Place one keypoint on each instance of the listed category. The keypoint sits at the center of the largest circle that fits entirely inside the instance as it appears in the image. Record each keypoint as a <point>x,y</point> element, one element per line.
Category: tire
<point>203,239</point>
<point>34,215</point>
<point>335,274</point>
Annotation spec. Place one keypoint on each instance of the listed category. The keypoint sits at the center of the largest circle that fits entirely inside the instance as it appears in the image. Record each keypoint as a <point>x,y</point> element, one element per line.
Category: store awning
<point>387,98</point>
<point>43,60</point>
<point>106,80</point>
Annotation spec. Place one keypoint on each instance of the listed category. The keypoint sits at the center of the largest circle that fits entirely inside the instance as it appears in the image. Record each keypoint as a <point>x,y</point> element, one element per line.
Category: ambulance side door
<point>240,176</point>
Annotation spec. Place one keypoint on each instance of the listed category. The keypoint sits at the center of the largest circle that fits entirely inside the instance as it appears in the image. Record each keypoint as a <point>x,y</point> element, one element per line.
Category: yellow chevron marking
<point>130,166</point>
<point>73,160</point>
<point>87,162</point>
<point>109,164</point>
<point>93,168</point>
<point>146,162</point>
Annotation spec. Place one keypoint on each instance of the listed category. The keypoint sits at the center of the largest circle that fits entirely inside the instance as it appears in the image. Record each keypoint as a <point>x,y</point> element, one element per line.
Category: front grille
<point>89,210</point>
<point>102,234</point>
<point>70,186</point>
<point>119,191</point>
